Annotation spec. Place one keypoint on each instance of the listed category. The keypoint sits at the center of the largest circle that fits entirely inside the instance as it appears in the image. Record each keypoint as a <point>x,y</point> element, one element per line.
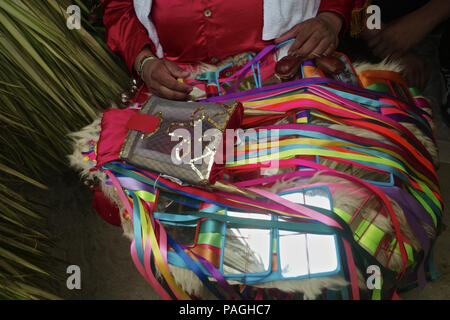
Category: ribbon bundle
<point>378,163</point>
<point>346,175</point>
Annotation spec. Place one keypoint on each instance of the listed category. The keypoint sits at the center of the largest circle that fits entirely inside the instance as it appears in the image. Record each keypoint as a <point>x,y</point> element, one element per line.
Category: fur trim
<point>311,288</point>
<point>386,64</point>
<point>80,140</point>
<point>426,141</point>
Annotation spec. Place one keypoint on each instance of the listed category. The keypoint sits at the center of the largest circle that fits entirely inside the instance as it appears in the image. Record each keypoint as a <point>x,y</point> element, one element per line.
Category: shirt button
<point>214,60</point>
<point>207,13</point>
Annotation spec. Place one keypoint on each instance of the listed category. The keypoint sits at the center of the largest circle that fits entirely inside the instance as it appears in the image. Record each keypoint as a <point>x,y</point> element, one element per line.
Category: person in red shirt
<point>209,32</point>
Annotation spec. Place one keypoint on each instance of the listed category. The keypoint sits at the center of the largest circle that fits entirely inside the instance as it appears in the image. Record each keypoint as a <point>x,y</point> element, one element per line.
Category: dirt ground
<point>107,271</point>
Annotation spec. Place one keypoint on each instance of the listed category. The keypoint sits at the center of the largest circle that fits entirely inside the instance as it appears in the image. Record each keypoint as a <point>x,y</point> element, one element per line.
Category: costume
<point>336,180</point>
<point>334,174</point>
<point>126,36</point>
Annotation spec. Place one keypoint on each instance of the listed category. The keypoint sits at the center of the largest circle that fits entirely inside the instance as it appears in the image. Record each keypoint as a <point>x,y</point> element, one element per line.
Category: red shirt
<point>190,33</point>
<point>209,31</point>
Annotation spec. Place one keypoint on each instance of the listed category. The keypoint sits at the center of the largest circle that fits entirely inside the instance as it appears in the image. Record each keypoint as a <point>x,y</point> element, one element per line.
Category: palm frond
<point>53,81</point>
<point>24,261</point>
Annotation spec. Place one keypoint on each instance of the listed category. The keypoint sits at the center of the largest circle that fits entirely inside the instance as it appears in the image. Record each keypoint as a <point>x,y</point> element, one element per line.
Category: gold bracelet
<point>143,62</point>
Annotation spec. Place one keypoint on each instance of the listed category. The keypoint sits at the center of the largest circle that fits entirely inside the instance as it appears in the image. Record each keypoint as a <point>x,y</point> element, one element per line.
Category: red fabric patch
<point>105,208</point>
<point>113,134</point>
<point>143,122</point>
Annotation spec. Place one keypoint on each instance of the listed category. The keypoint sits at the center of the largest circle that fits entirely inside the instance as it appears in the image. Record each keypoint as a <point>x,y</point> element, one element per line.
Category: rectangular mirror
<point>181,234</point>
<point>247,251</point>
<point>305,254</point>
<point>172,212</point>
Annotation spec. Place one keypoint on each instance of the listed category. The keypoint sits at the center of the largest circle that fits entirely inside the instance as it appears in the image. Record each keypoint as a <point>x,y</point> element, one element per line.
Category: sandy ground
<point>107,271</point>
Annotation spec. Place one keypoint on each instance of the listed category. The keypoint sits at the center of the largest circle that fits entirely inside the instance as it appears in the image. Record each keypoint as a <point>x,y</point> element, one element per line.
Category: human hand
<point>414,73</point>
<point>160,77</point>
<point>314,37</point>
<point>397,38</point>
<point>403,34</point>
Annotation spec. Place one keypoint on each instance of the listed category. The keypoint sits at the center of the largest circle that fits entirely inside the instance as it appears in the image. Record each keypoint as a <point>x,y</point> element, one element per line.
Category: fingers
<point>170,94</point>
<point>302,34</point>
<point>422,77</point>
<point>313,38</point>
<point>160,79</point>
<point>309,46</point>
<point>175,70</point>
<point>287,35</point>
<point>415,72</point>
<point>381,50</point>
<point>166,79</point>
<point>396,55</point>
<point>380,46</point>
<point>387,44</point>
<point>408,78</point>
<point>322,47</point>
<point>330,50</point>
<point>414,79</point>
<point>163,91</point>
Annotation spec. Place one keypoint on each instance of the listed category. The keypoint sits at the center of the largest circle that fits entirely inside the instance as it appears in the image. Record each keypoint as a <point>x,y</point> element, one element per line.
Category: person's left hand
<point>396,39</point>
<point>315,37</point>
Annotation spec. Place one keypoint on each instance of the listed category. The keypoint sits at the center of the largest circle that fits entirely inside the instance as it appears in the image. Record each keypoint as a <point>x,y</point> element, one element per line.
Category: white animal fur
<point>429,145</point>
<point>395,66</point>
<point>311,288</point>
<point>80,141</point>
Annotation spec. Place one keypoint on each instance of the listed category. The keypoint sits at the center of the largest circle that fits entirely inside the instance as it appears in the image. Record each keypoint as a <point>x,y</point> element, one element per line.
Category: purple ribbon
<point>241,73</point>
<point>215,273</point>
<point>413,212</point>
<point>304,82</point>
<point>309,63</point>
<point>133,184</point>
<point>404,118</point>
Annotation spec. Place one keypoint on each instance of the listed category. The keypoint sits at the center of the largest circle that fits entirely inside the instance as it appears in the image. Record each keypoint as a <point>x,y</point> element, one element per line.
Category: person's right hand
<point>415,72</point>
<point>160,77</point>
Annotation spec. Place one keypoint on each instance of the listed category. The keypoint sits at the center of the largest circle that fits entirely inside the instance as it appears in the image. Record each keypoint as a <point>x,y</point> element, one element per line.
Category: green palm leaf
<point>53,81</point>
